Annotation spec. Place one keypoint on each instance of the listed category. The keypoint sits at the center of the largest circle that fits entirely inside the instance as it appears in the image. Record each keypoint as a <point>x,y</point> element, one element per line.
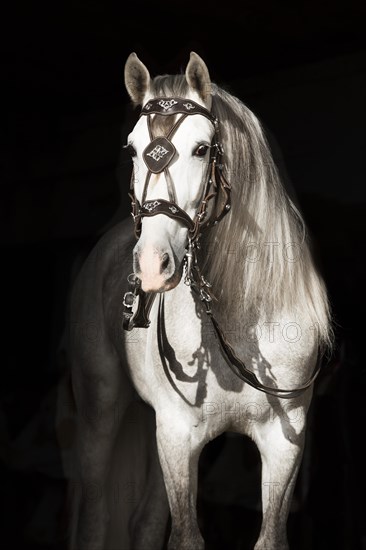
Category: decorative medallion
<point>158,154</point>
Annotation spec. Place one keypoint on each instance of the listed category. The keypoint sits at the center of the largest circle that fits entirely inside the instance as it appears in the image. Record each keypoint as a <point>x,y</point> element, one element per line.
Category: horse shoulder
<point>93,306</point>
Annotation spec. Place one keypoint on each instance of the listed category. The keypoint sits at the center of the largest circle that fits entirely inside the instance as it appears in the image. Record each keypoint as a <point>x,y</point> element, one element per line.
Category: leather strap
<point>175,105</point>
<point>222,187</point>
<point>145,301</point>
<point>242,372</point>
<point>161,206</point>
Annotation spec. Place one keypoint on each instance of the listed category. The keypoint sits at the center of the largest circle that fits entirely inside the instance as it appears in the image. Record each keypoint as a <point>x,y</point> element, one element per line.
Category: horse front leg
<point>97,392</point>
<point>148,524</point>
<point>179,451</point>
<point>281,445</point>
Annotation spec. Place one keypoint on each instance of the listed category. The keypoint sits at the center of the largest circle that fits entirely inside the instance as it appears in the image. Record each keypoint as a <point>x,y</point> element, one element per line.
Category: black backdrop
<point>301,69</point>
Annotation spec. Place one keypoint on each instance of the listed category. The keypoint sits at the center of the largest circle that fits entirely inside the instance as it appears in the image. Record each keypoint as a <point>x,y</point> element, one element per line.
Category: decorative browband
<point>175,105</point>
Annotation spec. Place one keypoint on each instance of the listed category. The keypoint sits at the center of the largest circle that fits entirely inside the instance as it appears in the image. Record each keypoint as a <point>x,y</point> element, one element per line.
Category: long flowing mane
<point>262,246</point>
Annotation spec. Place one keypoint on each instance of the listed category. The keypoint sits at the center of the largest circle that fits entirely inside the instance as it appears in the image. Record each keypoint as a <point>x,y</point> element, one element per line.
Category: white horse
<point>265,313</point>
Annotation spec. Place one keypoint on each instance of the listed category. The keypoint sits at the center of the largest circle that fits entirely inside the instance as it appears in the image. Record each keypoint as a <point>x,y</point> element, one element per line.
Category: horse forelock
<point>162,124</point>
<point>166,86</point>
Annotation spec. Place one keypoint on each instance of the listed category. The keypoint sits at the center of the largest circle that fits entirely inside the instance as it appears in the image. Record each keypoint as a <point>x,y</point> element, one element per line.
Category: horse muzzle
<point>158,269</point>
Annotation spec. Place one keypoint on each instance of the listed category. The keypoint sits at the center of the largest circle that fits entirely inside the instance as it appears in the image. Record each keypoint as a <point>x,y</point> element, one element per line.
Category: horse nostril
<point>165,262</point>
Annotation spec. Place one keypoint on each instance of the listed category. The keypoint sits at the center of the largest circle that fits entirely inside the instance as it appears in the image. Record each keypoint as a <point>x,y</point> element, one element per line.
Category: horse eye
<point>130,149</point>
<point>201,150</point>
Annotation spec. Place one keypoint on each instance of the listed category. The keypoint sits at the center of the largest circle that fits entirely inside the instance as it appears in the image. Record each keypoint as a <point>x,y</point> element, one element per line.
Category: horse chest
<point>177,367</point>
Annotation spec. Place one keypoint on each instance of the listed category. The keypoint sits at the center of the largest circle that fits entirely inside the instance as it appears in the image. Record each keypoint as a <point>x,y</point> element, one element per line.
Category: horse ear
<point>137,79</point>
<point>198,77</point>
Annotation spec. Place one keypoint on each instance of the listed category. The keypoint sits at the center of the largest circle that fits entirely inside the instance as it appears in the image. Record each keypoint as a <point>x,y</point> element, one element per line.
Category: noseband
<point>158,156</point>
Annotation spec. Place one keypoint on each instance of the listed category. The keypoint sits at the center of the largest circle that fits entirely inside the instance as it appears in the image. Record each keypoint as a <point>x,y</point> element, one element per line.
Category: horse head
<point>172,155</point>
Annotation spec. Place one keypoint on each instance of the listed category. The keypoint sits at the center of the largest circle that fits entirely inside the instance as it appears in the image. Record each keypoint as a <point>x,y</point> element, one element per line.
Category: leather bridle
<point>157,156</point>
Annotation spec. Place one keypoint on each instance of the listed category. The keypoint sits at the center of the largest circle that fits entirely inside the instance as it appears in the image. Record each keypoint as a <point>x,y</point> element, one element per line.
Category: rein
<point>157,157</point>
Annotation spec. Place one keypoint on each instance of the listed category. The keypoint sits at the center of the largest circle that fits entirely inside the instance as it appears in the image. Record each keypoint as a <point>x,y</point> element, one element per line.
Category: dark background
<point>301,68</point>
